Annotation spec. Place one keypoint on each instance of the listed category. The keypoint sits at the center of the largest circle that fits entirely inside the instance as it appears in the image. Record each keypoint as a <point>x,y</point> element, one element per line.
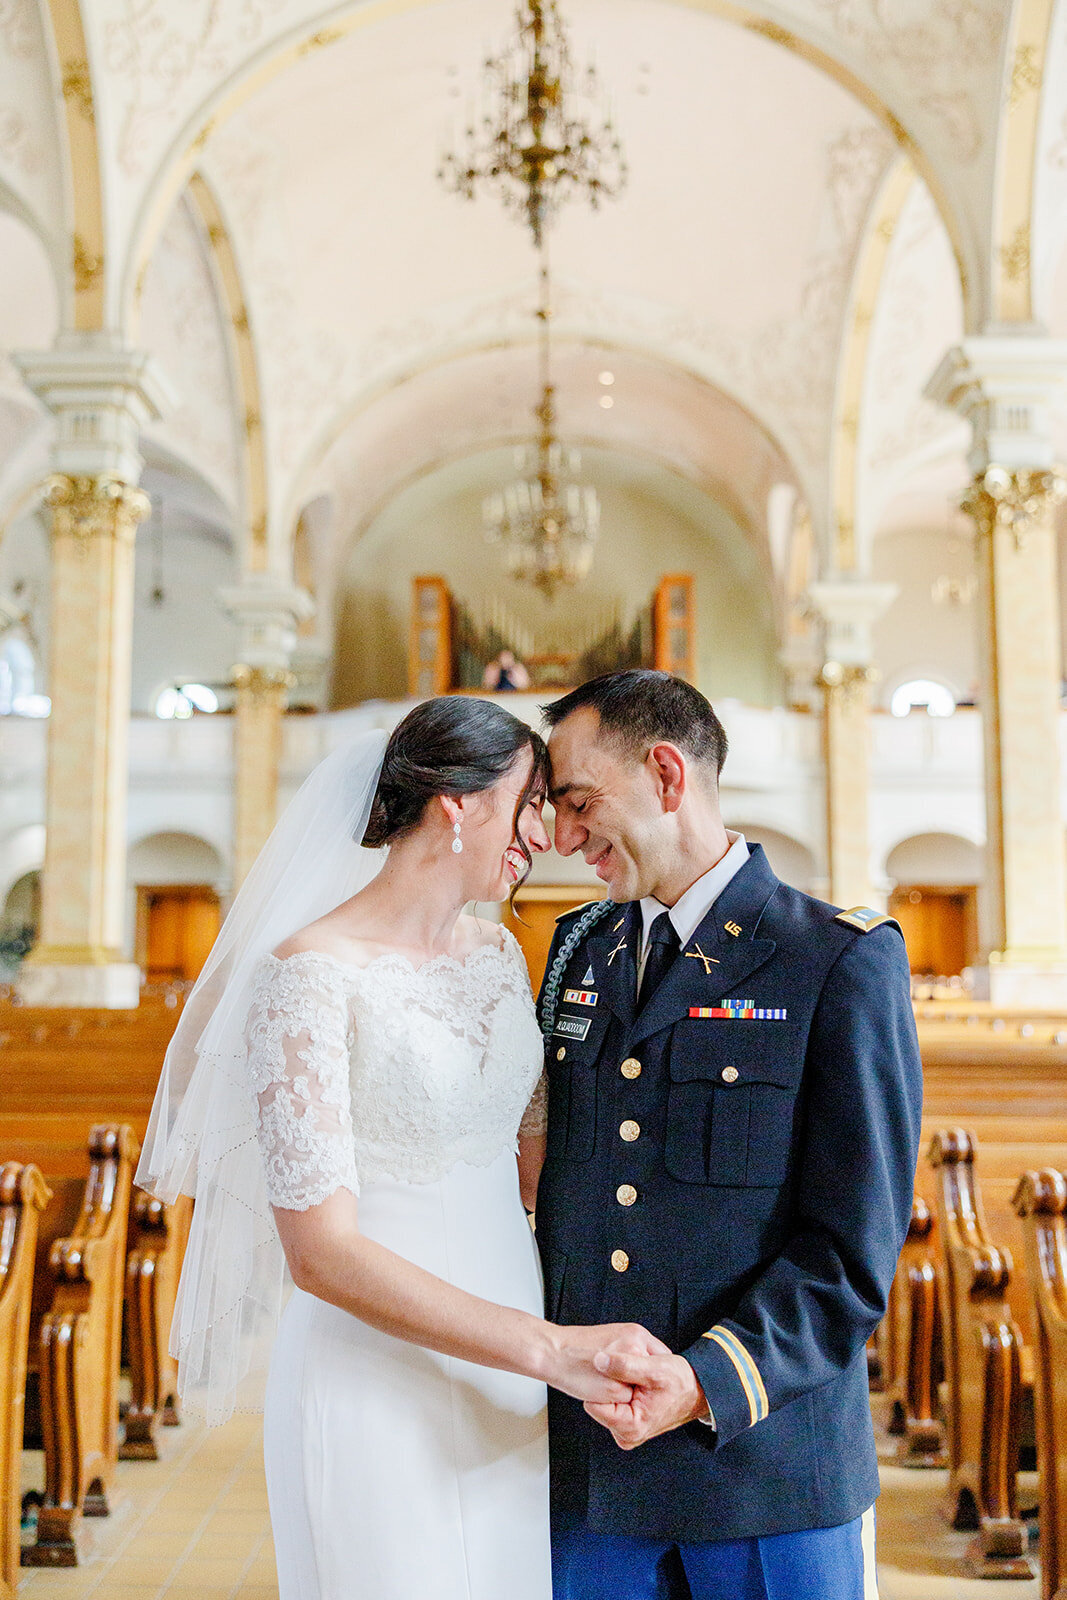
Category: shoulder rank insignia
<point>862,918</point>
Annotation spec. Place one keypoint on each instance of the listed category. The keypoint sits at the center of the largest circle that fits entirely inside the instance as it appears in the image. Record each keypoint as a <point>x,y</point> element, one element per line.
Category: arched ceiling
<point>360,267</point>
<point>461,407</point>
<point>391,321</point>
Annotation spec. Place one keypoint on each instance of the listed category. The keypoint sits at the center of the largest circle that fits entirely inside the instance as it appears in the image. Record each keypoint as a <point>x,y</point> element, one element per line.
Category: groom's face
<point>607,806</point>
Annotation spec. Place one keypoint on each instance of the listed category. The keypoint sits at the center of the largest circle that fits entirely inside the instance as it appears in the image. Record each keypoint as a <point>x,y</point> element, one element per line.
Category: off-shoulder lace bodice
<point>390,1070</point>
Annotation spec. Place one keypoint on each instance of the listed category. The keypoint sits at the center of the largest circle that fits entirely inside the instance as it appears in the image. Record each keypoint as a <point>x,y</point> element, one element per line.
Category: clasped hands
<point>643,1388</point>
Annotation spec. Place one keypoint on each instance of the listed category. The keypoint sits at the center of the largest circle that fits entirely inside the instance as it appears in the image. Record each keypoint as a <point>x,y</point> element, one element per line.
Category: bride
<point>346,1086</point>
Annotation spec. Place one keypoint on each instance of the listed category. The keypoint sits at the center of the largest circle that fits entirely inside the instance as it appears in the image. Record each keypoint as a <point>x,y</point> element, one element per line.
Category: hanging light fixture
<point>545,133</point>
<point>544,136</point>
<point>546,521</point>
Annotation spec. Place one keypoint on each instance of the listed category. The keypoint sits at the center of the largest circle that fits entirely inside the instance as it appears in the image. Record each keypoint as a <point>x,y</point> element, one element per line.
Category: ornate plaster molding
<point>86,508</point>
<point>1013,500</point>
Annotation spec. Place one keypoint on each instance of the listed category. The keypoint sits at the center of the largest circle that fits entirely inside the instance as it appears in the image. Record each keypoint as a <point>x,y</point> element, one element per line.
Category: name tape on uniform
<point>573,1027</point>
<point>741,1011</point>
<point>580,997</point>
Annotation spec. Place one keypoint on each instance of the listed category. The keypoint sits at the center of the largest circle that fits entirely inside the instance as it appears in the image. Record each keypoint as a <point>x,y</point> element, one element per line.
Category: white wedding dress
<point>394,1473</point>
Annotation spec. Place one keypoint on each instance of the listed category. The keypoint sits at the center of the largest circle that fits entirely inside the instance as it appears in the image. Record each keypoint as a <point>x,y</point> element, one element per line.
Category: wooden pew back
<point>1041,1202</point>
<point>1003,1077</point>
<point>64,1070</point>
<point>983,1367</point>
<point>79,1350</point>
<point>23,1195</point>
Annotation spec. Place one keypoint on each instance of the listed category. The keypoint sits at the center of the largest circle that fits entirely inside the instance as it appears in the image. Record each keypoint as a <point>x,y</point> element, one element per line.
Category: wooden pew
<point>65,1070</point>
<point>81,1268</point>
<point>158,1236</point>
<point>23,1195</point>
<point>983,1368</point>
<point>911,1340</point>
<point>1041,1202</point>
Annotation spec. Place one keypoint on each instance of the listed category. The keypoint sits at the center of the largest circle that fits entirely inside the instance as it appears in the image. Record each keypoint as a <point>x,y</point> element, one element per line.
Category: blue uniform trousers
<point>820,1564</point>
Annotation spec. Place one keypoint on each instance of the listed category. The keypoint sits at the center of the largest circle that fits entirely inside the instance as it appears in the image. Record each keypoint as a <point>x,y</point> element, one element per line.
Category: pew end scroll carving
<point>158,1235</point>
<point>78,1352</point>
<point>23,1195</point>
<point>1041,1201</point>
<point>913,1339</point>
<point>983,1369</point>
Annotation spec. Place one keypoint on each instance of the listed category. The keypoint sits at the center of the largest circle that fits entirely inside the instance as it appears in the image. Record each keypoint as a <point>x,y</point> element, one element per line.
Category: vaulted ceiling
<point>823,196</point>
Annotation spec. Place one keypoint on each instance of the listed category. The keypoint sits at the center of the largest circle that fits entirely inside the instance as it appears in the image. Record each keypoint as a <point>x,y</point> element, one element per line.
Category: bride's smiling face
<point>492,862</point>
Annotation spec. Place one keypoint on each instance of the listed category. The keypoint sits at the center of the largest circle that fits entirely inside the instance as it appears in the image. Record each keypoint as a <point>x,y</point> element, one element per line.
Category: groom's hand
<point>575,1366</point>
<point>666,1394</point>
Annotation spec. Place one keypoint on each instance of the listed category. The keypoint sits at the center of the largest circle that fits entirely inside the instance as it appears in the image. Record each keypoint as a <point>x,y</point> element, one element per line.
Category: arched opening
<point>177,879</point>
<point>792,861</point>
<point>19,922</point>
<point>936,879</point>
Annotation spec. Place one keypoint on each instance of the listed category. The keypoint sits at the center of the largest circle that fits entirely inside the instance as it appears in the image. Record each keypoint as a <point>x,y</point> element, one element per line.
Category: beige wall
<point>652,522</point>
<point>917,637</point>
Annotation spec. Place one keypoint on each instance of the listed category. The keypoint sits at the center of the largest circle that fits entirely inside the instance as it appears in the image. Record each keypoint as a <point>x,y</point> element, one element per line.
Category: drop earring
<point>457,842</point>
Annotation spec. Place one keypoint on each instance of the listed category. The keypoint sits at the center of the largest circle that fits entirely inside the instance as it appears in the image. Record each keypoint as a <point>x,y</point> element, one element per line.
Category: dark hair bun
<point>453,745</point>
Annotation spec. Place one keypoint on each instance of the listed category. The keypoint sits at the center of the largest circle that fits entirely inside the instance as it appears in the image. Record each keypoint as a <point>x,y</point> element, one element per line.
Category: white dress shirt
<point>689,911</point>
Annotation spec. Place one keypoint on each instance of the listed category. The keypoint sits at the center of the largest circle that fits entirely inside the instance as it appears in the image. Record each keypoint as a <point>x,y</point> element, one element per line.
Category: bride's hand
<point>574,1350</point>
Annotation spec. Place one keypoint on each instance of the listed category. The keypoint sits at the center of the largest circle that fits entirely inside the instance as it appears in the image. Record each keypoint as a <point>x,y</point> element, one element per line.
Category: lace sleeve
<point>534,1122</point>
<point>298,1061</point>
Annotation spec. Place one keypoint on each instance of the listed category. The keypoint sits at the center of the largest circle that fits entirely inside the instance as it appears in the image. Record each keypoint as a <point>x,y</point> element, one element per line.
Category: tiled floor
<point>194,1527</point>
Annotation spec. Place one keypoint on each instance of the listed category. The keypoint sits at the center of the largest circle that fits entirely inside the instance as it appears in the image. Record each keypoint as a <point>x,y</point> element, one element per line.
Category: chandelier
<point>541,140</point>
<point>545,134</point>
<point>546,521</point>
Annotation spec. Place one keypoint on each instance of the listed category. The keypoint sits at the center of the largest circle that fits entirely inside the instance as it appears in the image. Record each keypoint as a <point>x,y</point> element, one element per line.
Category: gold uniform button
<point>729,1074</point>
<point>630,1068</point>
<point>630,1131</point>
<point>626,1194</point>
<point>561,1052</point>
<point>620,1260</point>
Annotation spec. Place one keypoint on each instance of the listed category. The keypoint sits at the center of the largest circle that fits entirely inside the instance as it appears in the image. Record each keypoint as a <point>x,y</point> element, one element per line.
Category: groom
<point>735,1091</point>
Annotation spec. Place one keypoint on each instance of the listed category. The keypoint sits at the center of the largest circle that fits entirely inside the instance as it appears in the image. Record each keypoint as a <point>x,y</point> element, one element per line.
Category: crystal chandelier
<point>546,521</point>
<point>541,140</point>
<point>545,133</point>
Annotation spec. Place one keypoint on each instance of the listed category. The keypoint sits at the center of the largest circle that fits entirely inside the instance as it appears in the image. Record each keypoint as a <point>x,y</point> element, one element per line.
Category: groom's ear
<point>668,768</point>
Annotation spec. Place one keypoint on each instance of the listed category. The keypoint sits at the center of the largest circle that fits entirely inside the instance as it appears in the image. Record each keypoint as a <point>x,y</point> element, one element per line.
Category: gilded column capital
<point>102,507</point>
<point>1013,499</point>
<point>850,682</point>
<point>262,684</point>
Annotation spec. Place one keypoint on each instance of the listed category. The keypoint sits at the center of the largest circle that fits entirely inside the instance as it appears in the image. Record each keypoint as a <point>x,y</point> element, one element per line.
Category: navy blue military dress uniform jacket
<point>733,1168</point>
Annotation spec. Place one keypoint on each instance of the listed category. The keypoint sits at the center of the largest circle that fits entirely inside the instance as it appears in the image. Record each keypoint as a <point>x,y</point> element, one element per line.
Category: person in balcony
<point>504,673</point>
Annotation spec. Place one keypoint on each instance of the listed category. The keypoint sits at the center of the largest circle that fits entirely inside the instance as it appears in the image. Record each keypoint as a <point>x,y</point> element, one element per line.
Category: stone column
<point>101,396</point>
<point>848,607</point>
<point>269,611</point>
<point>1004,386</point>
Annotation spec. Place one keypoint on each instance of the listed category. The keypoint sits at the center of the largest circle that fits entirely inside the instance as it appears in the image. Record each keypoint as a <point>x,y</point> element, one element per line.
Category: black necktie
<point>663,946</point>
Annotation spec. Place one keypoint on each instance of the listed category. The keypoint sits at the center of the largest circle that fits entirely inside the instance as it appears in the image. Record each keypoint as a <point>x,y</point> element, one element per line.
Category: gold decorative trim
<point>262,684</point>
<point>245,368</point>
<point>321,40</point>
<point>850,682</point>
<point>1026,73</point>
<point>87,267</point>
<point>87,285</point>
<point>1015,255</point>
<point>77,86</point>
<point>999,499</point>
<point>88,508</point>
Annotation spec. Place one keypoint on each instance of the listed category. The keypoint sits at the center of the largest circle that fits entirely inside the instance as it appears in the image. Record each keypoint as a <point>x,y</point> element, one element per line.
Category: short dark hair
<point>455,745</point>
<point>640,708</point>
